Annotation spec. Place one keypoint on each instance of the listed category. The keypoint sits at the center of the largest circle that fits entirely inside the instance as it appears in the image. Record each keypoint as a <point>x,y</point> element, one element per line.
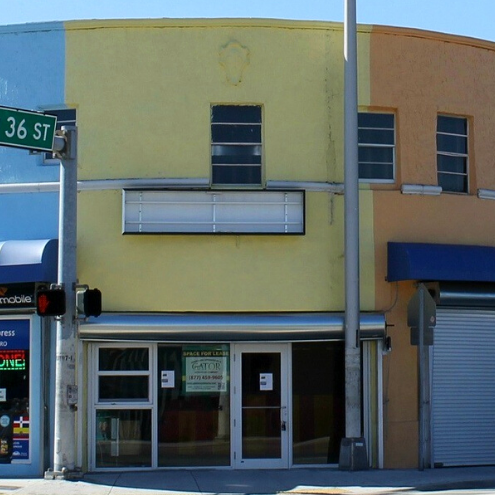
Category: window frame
<point>117,402</point>
<point>214,143</point>
<point>452,154</point>
<point>393,146</point>
<point>95,405</point>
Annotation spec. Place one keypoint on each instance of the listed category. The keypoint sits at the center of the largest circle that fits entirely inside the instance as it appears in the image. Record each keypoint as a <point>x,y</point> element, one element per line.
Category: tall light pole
<point>65,366</point>
<point>353,454</point>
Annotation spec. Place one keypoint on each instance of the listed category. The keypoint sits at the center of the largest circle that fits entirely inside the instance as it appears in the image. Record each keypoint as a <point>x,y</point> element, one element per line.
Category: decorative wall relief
<point>234,58</point>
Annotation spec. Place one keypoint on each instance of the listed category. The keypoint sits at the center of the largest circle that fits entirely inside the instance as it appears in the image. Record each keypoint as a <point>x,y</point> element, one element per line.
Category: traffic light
<point>92,302</point>
<point>50,302</point>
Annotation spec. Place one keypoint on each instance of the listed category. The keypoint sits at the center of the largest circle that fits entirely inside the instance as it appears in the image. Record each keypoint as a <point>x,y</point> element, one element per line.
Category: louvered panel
<point>463,388</point>
<point>213,212</point>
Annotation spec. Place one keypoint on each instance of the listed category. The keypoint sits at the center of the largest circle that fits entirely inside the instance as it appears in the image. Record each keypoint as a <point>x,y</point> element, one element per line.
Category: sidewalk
<point>295,481</point>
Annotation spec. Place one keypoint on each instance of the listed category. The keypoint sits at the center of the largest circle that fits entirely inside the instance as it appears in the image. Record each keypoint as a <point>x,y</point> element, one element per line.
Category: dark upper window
<point>65,116</point>
<point>236,144</point>
<point>452,153</point>
<point>376,142</point>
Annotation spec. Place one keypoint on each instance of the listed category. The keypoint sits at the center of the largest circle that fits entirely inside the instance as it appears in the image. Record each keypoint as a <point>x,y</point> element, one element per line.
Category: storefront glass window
<point>193,405</point>
<point>123,359</point>
<point>123,374</point>
<point>123,407</point>
<point>123,438</point>
<point>318,401</point>
<point>261,405</point>
<point>123,387</point>
<point>14,390</point>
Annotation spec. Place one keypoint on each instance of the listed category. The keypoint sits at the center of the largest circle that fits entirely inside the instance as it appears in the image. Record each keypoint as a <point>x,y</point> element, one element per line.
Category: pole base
<point>353,454</point>
<point>64,474</point>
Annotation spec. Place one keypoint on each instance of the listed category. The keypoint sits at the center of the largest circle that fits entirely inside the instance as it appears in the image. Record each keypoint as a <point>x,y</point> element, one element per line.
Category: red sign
<point>12,360</point>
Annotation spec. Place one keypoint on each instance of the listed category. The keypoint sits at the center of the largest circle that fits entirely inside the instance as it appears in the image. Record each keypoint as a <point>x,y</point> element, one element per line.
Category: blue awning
<point>28,261</point>
<point>440,262</point>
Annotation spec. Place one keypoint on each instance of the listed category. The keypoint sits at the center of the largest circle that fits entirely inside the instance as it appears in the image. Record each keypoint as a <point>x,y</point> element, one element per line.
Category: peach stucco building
<point>419,76</point>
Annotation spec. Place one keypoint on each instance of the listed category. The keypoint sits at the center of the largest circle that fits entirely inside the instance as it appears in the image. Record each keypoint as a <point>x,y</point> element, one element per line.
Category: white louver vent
<point>213,212</point>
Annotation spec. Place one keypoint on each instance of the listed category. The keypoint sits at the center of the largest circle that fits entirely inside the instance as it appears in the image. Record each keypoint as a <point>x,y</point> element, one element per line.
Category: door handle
<point>283,426</point>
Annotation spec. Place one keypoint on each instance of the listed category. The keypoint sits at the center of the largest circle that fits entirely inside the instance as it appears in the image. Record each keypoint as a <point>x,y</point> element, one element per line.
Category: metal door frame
<point>286,399</point>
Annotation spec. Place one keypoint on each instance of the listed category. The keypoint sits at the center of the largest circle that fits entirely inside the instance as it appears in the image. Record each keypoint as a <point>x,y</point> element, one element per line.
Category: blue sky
<point>465,17</point>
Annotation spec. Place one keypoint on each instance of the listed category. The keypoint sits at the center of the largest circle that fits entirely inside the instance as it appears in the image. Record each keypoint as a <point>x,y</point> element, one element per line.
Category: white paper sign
<point>168,378</point>
<point>266,381</point>
<point>3,395</point>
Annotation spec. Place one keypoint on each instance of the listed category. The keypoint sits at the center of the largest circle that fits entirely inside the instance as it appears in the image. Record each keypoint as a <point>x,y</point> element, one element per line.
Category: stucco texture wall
<point>144,92</point>
<point>420,75</point>
<point>32,61</point>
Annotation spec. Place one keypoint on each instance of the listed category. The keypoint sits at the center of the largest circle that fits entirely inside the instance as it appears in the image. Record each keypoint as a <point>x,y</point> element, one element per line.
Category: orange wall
<point>419,75</point>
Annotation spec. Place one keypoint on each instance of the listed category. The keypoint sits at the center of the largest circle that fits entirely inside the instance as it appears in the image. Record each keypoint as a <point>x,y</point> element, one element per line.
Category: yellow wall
<point>143,90</point>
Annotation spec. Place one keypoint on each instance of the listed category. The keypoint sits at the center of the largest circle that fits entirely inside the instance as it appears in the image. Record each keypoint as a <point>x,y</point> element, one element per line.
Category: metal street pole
<point>65,366</point>
<point>421,362</point>
<point>353,454</point>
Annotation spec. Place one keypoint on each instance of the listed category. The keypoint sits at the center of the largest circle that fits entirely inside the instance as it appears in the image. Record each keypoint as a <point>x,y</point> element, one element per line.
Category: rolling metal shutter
<point>463,388</point>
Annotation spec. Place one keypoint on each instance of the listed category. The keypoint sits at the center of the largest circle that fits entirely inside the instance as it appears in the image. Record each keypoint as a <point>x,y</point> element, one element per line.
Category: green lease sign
<point>25,129</point>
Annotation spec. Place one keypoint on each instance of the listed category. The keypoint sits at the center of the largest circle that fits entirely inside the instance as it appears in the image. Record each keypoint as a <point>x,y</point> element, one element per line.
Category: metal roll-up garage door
<point>463,388</point>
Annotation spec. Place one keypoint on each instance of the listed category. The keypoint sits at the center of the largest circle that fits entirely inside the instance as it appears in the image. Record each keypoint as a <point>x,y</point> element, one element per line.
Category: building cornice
<point>201,23</point>
<point>163,23</point>
<point>433,36</point>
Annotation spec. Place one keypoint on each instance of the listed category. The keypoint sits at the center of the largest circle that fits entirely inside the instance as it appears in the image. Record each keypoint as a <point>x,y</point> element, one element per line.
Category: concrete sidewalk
<point>295,481</point>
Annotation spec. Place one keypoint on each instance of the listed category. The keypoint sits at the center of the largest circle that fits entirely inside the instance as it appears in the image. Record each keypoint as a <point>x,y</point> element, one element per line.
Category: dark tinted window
<point>123,359</point>
<point>452,154</point>
<point>236,144</point>
<point>376,141</point>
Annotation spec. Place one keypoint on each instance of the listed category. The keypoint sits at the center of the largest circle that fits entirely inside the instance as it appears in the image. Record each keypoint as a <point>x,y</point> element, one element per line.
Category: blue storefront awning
<point>440,262</point>
<point>28,261</point>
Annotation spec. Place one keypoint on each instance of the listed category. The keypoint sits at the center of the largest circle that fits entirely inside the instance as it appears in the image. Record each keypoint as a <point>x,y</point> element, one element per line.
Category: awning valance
<point>28,261</point>
<point>211,327</point>
<point>440,262</point>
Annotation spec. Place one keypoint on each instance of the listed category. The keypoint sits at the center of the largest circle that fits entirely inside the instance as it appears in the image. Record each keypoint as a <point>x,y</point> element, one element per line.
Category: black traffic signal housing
<point>92,302</point>
<point>50,302</point>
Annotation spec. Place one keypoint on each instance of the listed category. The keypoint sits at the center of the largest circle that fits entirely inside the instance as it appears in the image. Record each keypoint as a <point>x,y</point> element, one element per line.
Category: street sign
<point>422,316</point>
<point>421,296</point>
<point>26,129</point>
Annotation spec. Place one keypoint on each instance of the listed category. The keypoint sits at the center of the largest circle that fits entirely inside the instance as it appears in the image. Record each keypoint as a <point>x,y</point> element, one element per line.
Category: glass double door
<point>261,414</point>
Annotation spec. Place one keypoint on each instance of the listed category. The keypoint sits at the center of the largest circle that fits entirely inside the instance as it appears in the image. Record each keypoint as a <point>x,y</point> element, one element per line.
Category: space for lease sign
<point>205,370</point>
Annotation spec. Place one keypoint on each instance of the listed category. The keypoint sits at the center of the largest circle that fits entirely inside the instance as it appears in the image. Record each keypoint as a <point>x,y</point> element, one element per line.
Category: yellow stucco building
<point>147,93</point>
<point>226,138</point>
<point>211,217</point>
